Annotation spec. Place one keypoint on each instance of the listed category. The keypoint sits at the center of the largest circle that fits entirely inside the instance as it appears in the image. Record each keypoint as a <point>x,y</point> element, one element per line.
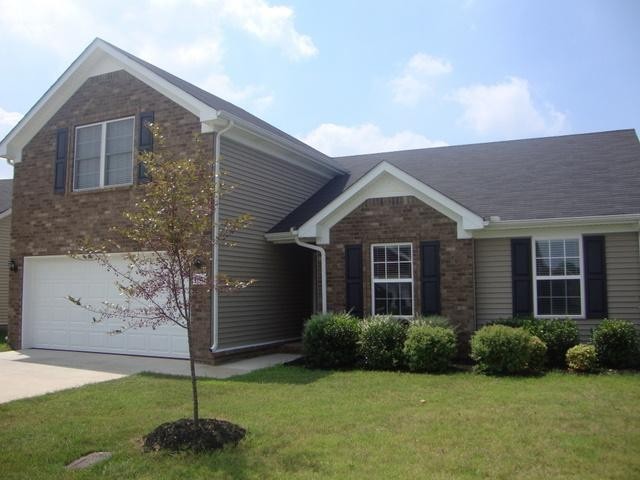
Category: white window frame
<point>103,153</point>
<point>582,314</point>
<point>392,280</point>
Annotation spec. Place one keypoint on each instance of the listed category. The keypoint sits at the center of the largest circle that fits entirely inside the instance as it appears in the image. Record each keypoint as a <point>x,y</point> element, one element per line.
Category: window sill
<point>109,188</point>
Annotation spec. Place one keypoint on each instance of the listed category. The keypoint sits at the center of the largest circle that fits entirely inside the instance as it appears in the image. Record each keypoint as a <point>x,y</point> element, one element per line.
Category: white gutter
<point>323,266</point>
<point>566,221</point>
<point>214,233</point>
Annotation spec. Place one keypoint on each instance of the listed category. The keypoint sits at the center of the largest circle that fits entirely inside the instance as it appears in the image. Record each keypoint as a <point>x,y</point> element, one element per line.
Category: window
<point>392,279</point>
<point>558,283</point>
<point>104,154</point>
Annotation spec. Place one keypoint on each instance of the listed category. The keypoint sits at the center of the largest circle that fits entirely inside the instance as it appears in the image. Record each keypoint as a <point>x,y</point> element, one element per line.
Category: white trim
<point>559,229</point>
<point>281,237</point>
<point>386,180</point>
<point>5,214</point>
<point>580,277</point>
<point>392,280</point>
<point>103,153</point>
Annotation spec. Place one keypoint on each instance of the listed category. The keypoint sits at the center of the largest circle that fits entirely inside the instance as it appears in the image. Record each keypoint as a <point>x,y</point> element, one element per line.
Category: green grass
<point>312,424</point>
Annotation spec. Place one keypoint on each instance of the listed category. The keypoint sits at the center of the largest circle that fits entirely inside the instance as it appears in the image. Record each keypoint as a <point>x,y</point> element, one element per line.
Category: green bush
<point>616,343</point>
<point>429,348</point>
<point>432,321</point>
<point>499,349</point>
<point>558,334</point>
<point>582,358</point>
<point>537,355</point>
<point>331,340</point>
<point>381,343</point>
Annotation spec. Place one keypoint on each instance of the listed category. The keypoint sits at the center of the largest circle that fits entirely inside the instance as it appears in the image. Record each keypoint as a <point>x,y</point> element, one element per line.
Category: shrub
<point>537,354</point>
<point>558,334</point>
<point>381,342</point>
<point>500,349</point>
<point>616,343</point>
<point>429,348</point>
<point>432,321</point>
<point>582,358</point>
<point>515,322</point>
<point>331,340</point>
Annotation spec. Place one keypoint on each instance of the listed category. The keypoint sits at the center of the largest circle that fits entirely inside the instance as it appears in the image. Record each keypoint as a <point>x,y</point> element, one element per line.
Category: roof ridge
<point>516,140</point>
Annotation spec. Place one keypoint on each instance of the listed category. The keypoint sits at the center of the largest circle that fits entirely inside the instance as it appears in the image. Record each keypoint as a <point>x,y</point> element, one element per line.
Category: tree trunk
<point>194,385</point>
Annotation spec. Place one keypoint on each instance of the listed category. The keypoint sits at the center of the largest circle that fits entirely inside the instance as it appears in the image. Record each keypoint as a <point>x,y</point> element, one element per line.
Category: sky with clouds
<point>353,77</point>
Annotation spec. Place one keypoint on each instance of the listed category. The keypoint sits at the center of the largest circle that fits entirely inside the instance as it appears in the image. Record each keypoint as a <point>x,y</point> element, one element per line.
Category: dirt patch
<point>183,435</point>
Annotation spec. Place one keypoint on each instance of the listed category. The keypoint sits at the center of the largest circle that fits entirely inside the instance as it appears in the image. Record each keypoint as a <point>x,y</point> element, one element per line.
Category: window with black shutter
<point>60,166</point>
<point>145,144</point>
<point>353,275</point>
<point>430,277</point>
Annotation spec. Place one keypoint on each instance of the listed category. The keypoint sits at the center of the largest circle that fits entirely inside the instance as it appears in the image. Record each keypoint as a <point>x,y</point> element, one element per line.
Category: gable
<point>385,180</point>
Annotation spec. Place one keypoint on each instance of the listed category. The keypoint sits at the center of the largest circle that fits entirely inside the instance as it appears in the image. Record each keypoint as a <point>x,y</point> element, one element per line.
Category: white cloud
<point>508,109</point>
<point>251,96</point>
<point>416,78</point>
<point>272,24</point>
<point>336,140</point>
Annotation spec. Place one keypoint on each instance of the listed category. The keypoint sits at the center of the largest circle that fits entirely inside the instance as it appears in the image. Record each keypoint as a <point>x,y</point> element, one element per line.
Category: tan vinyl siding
<point>5,237</point>
<point>493,279</point>
<point>622,252</point>
<point>268,189</point>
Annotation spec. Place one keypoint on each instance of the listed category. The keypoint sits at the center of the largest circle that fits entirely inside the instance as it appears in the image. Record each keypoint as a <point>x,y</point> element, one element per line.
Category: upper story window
<point>558,283</point>
<point>392,279</point>
<point>104,154</point>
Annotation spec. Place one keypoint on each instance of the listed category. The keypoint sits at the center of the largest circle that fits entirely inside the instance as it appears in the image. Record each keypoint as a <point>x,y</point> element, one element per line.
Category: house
<point>546,227</point>
<point>5,238</point>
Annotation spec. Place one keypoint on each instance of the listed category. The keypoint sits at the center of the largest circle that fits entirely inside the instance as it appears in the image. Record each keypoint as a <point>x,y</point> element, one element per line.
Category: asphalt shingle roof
<point>554,177</point>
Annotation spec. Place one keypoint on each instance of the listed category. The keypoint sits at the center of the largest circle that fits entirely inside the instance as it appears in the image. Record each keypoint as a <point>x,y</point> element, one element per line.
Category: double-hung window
<point>392,279</point>
<point>558,278</point>
<point>104,154</point>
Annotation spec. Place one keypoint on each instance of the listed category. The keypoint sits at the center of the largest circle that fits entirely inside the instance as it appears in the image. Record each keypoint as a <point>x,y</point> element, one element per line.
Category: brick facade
<point>405,219</point>
<point>46,223</point>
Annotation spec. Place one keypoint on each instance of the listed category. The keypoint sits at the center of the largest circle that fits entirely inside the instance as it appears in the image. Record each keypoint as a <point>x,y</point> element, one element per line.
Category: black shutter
<point>521,278</point>
<point>60,166</point>
<point>430,277</point>
<point>595,276</point>
<point>145,144</point>
<point>353,275</point>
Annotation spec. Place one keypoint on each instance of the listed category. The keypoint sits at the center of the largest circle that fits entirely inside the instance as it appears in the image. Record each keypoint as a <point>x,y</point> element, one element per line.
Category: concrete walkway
<point>31,372</point>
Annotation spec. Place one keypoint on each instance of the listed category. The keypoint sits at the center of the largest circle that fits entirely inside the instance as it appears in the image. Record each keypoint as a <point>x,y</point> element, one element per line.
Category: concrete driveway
<point>31,372</point>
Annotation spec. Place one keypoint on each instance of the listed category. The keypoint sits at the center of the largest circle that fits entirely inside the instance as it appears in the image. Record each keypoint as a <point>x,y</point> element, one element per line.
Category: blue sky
<point>357,76</point>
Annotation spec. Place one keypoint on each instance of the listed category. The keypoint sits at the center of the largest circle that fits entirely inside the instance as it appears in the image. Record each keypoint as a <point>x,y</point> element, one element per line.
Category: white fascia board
<point>548,226</point>
<point>98,58</point>
<point>281,237</point>
<point>375,185</point>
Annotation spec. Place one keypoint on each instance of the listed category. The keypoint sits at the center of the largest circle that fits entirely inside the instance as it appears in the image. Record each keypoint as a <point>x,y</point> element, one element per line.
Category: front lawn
<point>313,424</point>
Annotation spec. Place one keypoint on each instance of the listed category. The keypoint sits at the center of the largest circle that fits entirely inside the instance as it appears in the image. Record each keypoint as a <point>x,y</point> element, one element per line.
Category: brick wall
<point>45,223</point>
<point>405,219</point>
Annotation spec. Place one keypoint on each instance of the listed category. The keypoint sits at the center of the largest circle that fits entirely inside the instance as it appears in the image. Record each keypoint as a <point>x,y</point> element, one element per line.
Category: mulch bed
<point>183,435</point>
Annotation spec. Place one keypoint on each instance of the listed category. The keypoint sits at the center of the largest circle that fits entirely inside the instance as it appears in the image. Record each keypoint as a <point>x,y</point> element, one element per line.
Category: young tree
<point>171,228</point>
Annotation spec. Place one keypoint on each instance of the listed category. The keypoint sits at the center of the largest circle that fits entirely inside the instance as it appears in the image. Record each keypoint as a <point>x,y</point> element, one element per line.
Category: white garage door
<point>52,321</point>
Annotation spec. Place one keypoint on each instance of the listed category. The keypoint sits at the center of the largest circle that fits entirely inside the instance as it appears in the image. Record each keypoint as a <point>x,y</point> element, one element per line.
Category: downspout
<point>214,234</point>
<point>323,266</point>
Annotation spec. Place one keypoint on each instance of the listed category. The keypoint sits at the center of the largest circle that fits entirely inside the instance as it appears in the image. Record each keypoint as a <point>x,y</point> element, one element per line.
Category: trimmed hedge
<point>429,348</point>
<point>616,344</point>
<point>331,340</point>
<point>582,358</point>
<point>499,349</point>
<point>381,343</point>
<point>559,335</point>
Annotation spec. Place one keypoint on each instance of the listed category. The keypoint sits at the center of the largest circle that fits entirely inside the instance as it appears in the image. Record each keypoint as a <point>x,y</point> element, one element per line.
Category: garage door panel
<point>51,321</point>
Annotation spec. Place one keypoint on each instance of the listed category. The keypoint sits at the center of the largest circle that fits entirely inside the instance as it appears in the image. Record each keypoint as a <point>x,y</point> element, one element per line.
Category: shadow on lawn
<point>284,374</point>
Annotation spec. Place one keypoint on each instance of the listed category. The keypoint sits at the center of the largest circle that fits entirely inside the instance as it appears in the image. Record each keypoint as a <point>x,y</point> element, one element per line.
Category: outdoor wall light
<point>198,263</point>
<point>13,266</point>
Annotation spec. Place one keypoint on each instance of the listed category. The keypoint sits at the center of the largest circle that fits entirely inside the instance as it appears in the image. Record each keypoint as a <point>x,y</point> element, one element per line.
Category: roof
<point>6,193</point>
<point>580,175</point>
<point>217,102</point>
